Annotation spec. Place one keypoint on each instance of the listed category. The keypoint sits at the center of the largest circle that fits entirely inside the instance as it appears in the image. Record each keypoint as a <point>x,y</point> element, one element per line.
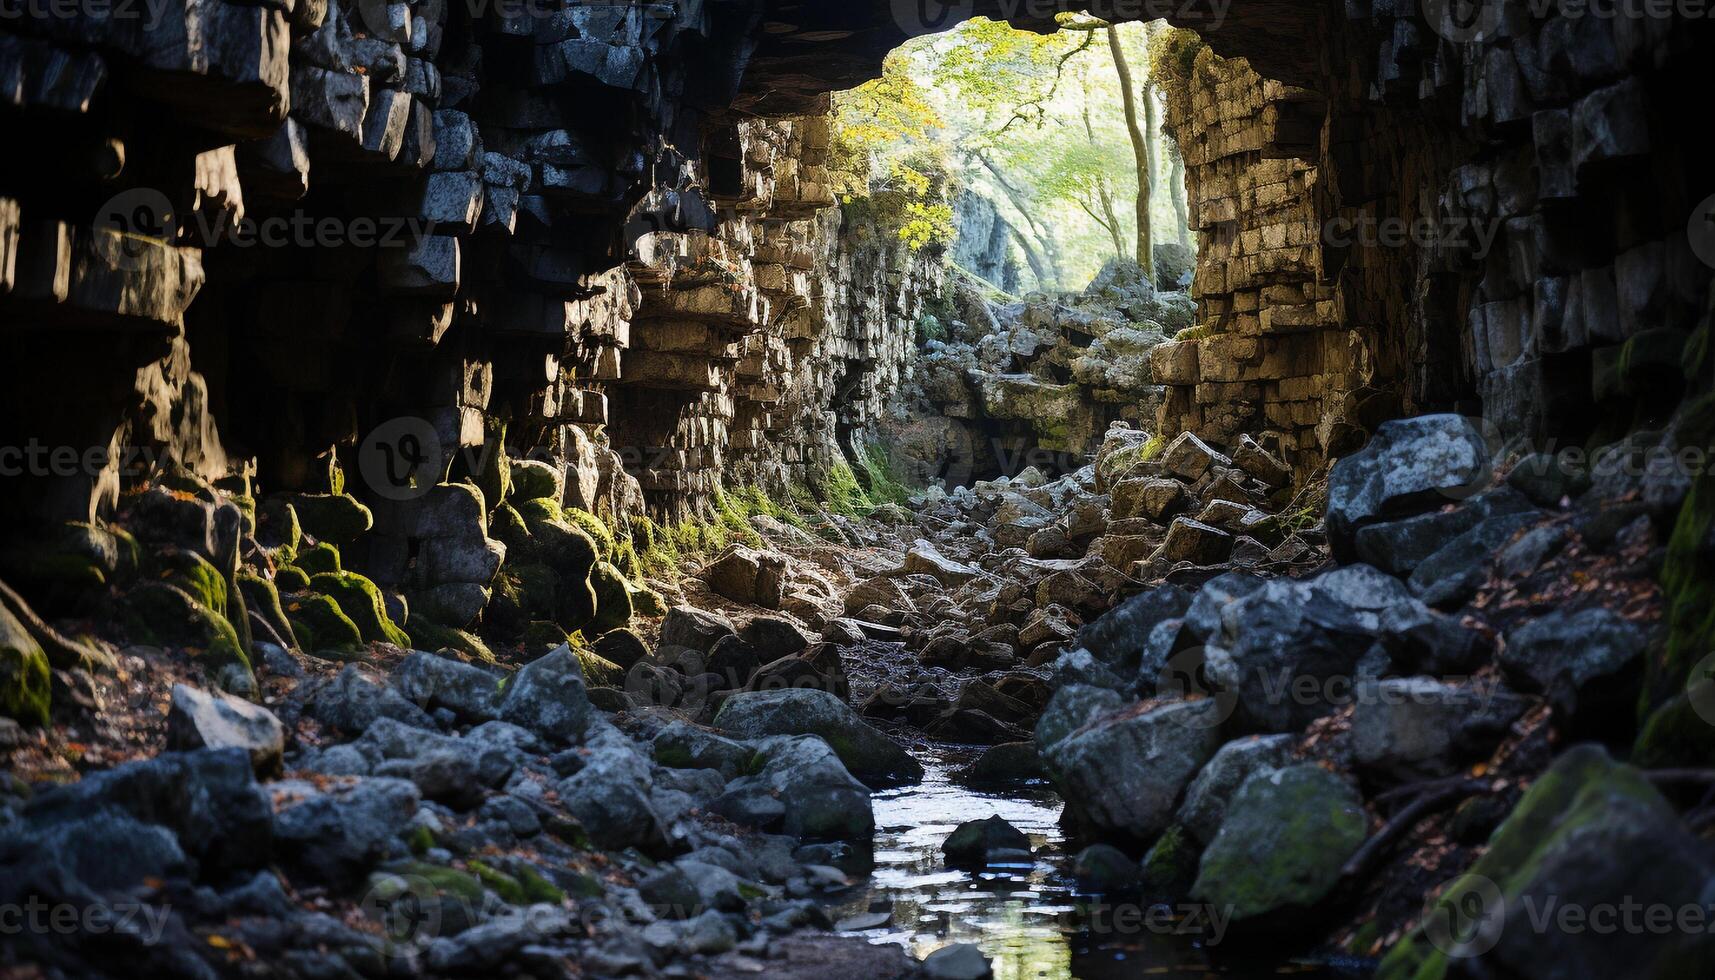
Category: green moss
<point>646,601</point>
<point>500,883</point>
<point>613,600</point>
<point>316,560</point>
<point>534,480</point>
<point>446,881</point>
<point>434,637</point>
<point>1688,585</point>
<point>882,480</point>
<point>322,626</point>
<point>331,517</point>
<point>25,680</point>
<point>361,602</point>
<point>591,525</point>
<point>1194,333</point>
<point>598,670</point>
<point>288,578</point>
<point>840,492</point>
<point>491,471</point>
<point>166,615</point>
<point>192,573</point>
<point>1171,864</point>
<point>262,598</point>
<point>531,511</point>
<point>420,840</point>
<point>537,888</point>
<point>1675,734</point>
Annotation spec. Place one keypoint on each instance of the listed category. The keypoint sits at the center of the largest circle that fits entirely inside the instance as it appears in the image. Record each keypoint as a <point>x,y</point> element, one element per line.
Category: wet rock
<point>1170,866</point>
<point>1409,466</point>
<point>1207,797</point>
<point>687,888</point>
<point>864,749</point>
<point>1420,726</point>
<point>1279,852</point>
<point>1081,667</point>
<point>547,697</point>
<point>1591,833</point>
<point>682,745</point>
<point>693,628</point>
<point>1122,773</point>
<point>1069,709</point>
<point>988,841</point>
<point>803,790</point>
<point>960,961</point>
<point>433,681</point>
<point>1105,868</point>
<point>209,719</point>
<point>1009,762</point>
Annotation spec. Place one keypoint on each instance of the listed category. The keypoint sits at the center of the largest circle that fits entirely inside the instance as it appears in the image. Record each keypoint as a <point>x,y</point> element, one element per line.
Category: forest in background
<point>1057,131</point>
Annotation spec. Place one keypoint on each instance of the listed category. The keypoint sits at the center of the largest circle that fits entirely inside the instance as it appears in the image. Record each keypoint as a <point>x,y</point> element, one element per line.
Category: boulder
<point>1586,661</point>
<point>610,797</point>
<point>354,699</point>
<point>548,698</point>
<point>1261,464</point>
<point>1453,574</point>
<point>1207,797</point>
<point>1279,852</point>
<point>1119,636</point>
<point>200,719</point>
<point>431,681</point>
<point>1591,834</point>
<point>1105,868</point>
<point>988,841</point>
<point>1122,773</point>
<point>1397,547</point>
<point>801,789</point>
<point>1421,726</point>
<point>1194,542</point>
<point>924,559</point>
<point>863,748</point>
<point>1189,457</point>
<point>1409,466</point>
<point>773,637</point>
<point>687,626</point>
<point>1008,762</point>
<point>747,575</point>
<point>333,833</point>
<point>959,961</point>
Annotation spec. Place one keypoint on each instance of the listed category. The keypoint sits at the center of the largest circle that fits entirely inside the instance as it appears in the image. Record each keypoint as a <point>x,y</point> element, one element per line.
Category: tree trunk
<point>1140,149</point>
<point>1032,257</point>
<point>1019,204</point>
<point>1104,196</point>
<point>1178,192</point>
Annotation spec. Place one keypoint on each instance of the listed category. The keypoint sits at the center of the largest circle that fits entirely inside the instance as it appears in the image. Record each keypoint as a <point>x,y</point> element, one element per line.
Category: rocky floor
<point>1308,716</point>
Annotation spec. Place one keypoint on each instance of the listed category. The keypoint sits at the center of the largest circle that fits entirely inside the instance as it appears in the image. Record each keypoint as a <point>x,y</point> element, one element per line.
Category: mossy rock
<point>537,586</point>
<point>321,558</point>
<point>277,528</point>
<point>332,517</point>
<point>1170,867</point>
<point>1280,848</point>
<point>507,526</point>
<point>598,670</point>
<point>542,637</point>
<point>500,883</point>
<point>445,881</point>
<point>435,638</point>
<point>25,679</point>
<point>537,889</point>
<point>539,509</point>
<point>491,469</point>
<point>166,615</point>
<point>1688,585</point>
<point>535,480</point>
<point>361,602</point>
<point>321,626</point>
<point>289,578</point>
<point>194,574</point>
<point>593,526</point>
<point>612,599</point>
<point>504,617</point>
<point>1590,832</point>
<point>646,601</point>
<point>262,598</point>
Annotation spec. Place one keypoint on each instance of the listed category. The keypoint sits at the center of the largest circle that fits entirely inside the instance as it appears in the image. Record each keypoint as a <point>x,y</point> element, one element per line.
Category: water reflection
<point>1026,916</point>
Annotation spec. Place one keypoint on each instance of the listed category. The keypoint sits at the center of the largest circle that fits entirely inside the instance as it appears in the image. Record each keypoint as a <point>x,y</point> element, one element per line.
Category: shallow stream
<point>1030,919</point>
